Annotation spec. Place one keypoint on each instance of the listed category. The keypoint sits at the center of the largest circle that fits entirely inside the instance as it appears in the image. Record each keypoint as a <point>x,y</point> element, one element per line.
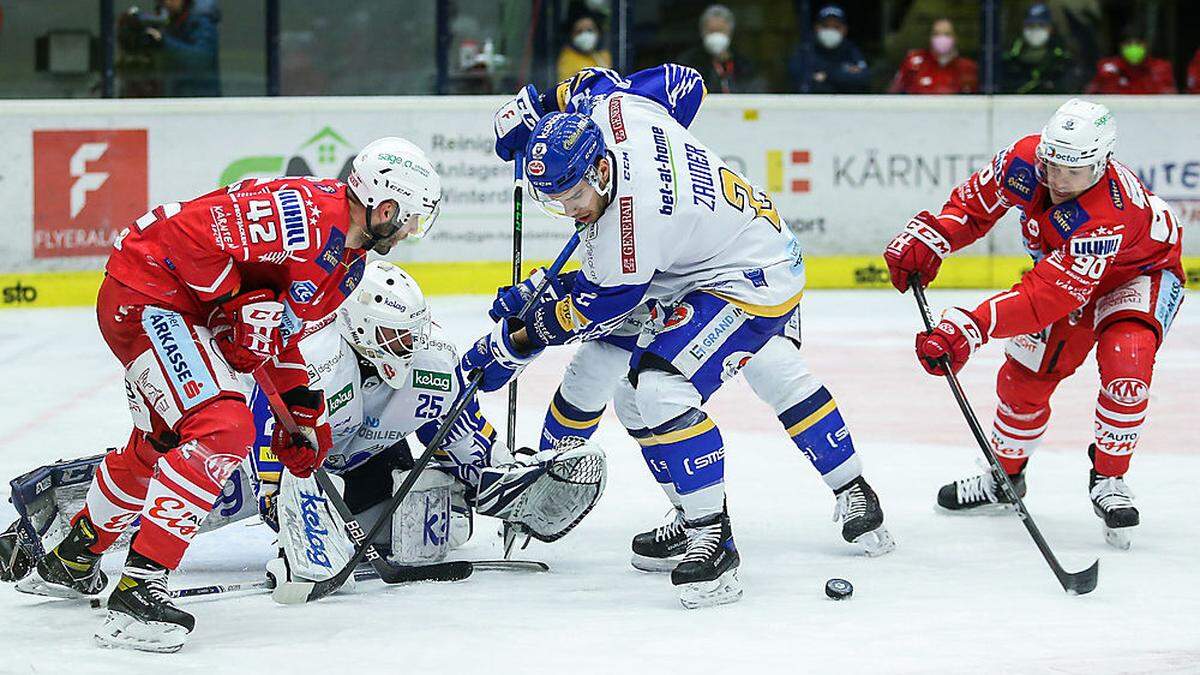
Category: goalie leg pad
<point>421,526</point>
<point>311,534</point>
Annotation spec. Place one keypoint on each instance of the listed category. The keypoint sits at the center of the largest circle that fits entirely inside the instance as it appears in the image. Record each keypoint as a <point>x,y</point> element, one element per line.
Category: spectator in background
<point>189,47</point>
<point>834,63</point>
<point>1133,70</point>
<point>583,45</point>
<point>1038,62</point>
<point>725,70</point>
<point>938,69</point>
<point>1193,74</point>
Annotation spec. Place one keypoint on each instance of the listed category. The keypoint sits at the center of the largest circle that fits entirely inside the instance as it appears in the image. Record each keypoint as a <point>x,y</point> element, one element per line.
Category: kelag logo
<point>87,186</point>
<point>326,154</point>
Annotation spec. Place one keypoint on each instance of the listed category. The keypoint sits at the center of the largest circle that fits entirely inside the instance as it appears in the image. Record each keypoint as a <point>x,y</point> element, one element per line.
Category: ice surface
<point>960,594</point>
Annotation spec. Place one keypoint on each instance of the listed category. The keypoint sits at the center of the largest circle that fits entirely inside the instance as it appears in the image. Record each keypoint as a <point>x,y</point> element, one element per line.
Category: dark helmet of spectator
<point>831,26</point>
<point>1038,25</point>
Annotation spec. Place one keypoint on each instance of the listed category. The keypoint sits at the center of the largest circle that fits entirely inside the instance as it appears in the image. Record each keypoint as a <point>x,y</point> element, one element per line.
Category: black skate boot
<point>862,518</point>
<point>980,494</point>
<point>71,570</point>
<point>707,575</point>
<point>1113,501</point>
<point>660,549</point>
<point>141,614</point>
<point>15,561</point>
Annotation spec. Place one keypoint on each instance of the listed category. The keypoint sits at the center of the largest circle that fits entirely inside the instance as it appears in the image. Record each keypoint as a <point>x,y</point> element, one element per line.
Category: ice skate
<point>70,571</point>
<point>707,575</point>
<point>661,549</point>
<point>15,562</point>
<point>862,518</point>
<point>980,494</point>
<point>1112,500</point>
<point>141,614</point>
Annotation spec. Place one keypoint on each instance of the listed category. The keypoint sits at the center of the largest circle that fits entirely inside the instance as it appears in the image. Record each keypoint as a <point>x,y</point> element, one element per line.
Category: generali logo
<point>87,186</point>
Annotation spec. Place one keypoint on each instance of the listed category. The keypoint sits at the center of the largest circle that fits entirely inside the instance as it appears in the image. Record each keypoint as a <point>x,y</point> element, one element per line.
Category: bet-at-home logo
<point>340,399</point>
<point>326,155</point>
<point>427,379</point>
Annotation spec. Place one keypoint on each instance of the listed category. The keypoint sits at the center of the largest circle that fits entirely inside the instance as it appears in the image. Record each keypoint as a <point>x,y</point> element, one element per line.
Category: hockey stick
<point>1077,583</point>
<point>296,592</point>
<point>388,572</point>
<point>511,436</point>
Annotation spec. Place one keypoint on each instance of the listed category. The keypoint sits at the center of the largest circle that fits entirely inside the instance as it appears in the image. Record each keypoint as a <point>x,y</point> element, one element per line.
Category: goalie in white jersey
<point>666,220</point>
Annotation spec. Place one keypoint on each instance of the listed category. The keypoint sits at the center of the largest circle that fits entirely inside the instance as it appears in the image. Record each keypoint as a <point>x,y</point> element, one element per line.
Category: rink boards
<point>845,172</point>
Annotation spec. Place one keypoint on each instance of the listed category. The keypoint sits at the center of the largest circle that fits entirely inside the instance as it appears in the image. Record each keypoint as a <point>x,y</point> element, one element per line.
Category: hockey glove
<point>304,451</point>
<point>919,248</point>
<point>958,335</point>
<point>498,358</point>
<point>246,329</point>
<point>514,121</point>
<point>510,299</point>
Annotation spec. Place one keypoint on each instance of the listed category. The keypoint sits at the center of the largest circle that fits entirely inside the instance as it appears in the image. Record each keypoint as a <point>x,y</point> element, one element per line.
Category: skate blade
<point>121,631</point>
<point>34,584</point>
<point>877,542</point>
<point>721,591</point>
<point>1118,537</point>
<point>985,510</point>
<point>648,564</point>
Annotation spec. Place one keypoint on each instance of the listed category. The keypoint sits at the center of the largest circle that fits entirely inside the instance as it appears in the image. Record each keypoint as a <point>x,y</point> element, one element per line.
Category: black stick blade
<point>1079,583</point>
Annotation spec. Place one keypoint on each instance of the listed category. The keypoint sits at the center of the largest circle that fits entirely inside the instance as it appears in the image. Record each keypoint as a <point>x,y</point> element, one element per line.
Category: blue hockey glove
<point>514,121</point>
<point>498,358</point>
<point>510,299</point>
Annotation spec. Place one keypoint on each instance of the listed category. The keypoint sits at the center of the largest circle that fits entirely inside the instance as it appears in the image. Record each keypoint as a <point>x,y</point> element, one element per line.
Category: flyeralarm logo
<point>87,186</point>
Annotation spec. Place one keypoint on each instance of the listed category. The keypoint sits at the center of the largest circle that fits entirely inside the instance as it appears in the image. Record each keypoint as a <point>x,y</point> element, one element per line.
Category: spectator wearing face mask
<point>725,70</point>
<point>936,70</point>
<point>583,48</point>
<point>1038,62</point>
<point>1133,70</point>
<point>834,63</point>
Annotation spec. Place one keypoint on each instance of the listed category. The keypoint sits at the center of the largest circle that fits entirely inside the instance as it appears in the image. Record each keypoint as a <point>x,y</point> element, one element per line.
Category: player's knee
<point>779,376</point>
<point>1022,390</point>
<point>223,425</point>
<point>625,404</point>
<point>663,396</point>
<point>1125,352</point>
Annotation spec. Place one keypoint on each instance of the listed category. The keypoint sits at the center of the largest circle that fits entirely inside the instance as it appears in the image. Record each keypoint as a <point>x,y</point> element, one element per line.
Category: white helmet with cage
<point>386,320</point>
<point>1080,134</point>
<point>396,169</point>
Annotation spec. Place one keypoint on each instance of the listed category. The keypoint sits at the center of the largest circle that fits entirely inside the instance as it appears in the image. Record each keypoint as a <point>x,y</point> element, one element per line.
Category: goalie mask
<point>386,320</point>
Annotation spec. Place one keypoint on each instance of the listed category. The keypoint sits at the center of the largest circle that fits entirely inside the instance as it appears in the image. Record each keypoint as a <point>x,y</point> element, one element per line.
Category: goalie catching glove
<point>549,493</point>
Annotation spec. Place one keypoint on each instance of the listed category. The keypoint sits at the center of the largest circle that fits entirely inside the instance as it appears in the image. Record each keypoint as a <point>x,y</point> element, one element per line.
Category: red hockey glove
<point>919,248</point>
<point>958,335</point>
<point>304,451</point>
<point>246,329</point>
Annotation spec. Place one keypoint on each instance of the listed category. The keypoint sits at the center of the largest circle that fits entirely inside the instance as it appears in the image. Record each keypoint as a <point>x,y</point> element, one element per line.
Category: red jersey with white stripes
<point>1082,248</point>
<point>286,234</point>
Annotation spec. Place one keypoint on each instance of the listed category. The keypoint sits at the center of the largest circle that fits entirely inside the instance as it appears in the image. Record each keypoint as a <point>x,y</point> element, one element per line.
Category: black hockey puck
<point>838,589</point>
<point>95,603</point>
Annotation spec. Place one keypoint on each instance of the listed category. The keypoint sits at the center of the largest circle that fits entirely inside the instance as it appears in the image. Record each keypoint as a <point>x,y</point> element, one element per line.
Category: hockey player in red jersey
<point>1107,273</point>
<point>196,296</point>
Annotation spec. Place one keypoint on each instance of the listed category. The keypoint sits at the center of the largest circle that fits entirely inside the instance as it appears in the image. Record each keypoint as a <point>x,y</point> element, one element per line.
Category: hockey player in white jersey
<point>666,220</point>
<point>777,374</point>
